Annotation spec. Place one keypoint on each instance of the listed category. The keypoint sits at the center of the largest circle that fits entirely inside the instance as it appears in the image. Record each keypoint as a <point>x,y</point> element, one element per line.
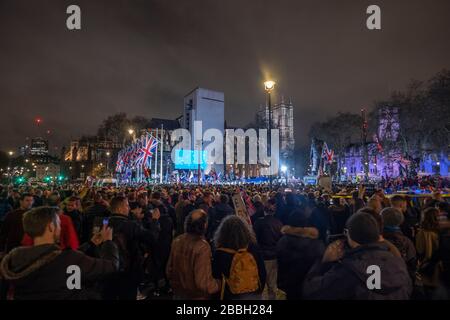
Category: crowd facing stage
<point>230,242</point>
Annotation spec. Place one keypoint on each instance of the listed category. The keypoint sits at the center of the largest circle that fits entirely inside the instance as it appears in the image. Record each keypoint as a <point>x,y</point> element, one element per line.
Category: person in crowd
<point>179,212</point>
<point>342,273</point>
<point>71,210</point>
<point>129,238</point>
<point>160,251</point>
<point>94,213</point>
<point>5,207</point>
<point>238,261</point>
<point>40,272</point>
<point>339,213</point>
<point>221,210</point>
<point>137,213</point>
<point>356,202</point>
<point>375,204</point>
<point>409,224</point>
<point>38,198</point>
<point>68,237</point>
<point>11,232</point>
<point>189,267</point>
<point>268,233</point>
<point>392,220</point>
<point>14,199</point>
<point>427,245</point>
<point>297,250</point>
<point>259,208</point>
<point>144,203</point>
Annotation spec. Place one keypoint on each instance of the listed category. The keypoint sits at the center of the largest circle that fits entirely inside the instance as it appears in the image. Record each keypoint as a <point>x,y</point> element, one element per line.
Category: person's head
<point>26,201</point>
<point>54,200</point>
<point>143,199</point>
<point>355,194</point>
<point>392,217</point>
<point>291,199</point>
<point>399,202</point>
<point>430,219</point>
<point>119,205</point>
<point>208,198</point>
<point>257,198</point>
<point>156,195</point>
<point>271,206</point>
<point>185,196</point>
<point>71,204</point>
<point>98,198</point>
<point>224,199</point>
<point>196,222</point>
<point>136,210</point>
<point>299,218</point>
<point>42,224</point>
<point>233,233</point>
<point>362,229</point>
<point>375,204</point>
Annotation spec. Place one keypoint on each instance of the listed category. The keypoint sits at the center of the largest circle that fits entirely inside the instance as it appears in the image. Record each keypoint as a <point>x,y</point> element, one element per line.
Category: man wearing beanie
<point>344,270</point>
<point>393,219</point>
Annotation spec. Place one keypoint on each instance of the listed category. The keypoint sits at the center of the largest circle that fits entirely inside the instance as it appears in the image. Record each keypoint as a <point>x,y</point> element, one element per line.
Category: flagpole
<point>162,153</point>
<point>156,157</point>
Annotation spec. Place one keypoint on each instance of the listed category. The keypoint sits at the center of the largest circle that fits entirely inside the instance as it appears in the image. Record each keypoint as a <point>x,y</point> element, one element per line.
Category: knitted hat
<point>363,228</point>
<point>392,217</point>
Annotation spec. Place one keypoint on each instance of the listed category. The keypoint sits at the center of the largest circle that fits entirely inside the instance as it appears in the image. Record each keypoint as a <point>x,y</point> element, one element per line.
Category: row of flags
<point>138,154</point>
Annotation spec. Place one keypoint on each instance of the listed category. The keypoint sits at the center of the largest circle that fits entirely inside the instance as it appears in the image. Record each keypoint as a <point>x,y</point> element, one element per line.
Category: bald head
<point>196,222</point>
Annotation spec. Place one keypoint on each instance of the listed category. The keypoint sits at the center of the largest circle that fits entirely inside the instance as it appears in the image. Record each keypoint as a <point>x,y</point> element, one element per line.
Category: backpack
<point>244,276</point>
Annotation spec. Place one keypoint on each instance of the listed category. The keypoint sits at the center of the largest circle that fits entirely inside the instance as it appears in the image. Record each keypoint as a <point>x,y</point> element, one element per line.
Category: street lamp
<point>10,153</point>
<point>108,154</point>
<point>269,86</point>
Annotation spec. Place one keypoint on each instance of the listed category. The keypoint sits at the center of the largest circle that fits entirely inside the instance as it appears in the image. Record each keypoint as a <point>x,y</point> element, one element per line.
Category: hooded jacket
<point>41,272</point>
<point>297,250</point>
<point>347,278</point>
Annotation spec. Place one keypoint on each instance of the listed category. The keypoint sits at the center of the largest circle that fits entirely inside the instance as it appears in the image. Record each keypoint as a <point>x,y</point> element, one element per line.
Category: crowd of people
<point>193,242</point>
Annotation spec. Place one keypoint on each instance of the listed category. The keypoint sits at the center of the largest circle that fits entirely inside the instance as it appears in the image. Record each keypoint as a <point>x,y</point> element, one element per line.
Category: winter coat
<point>11,232</point>
<point>268,232</point>
<point>41,272</point>
<point>297,251</point>
<point>76,221</point>
<point>405,247</point>
<point>189,268</point>
<point>347,278</point>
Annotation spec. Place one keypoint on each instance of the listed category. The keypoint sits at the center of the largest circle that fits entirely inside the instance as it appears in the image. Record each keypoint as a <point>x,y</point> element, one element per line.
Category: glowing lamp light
<point>269,85</point>
<point>283,168</point>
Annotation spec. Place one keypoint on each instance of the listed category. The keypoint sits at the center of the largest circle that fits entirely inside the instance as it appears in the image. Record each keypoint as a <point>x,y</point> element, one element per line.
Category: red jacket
<point>69,238</point>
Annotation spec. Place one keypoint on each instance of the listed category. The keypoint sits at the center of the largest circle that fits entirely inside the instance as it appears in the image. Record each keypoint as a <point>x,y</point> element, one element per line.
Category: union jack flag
<point>148,145</point>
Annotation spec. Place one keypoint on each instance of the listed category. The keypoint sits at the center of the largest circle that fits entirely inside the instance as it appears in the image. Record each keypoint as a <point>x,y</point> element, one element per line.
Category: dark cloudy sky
<point>143,56</point>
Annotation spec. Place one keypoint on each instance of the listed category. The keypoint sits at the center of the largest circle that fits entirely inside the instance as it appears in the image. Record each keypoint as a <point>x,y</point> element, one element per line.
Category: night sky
<point>143,56</point>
